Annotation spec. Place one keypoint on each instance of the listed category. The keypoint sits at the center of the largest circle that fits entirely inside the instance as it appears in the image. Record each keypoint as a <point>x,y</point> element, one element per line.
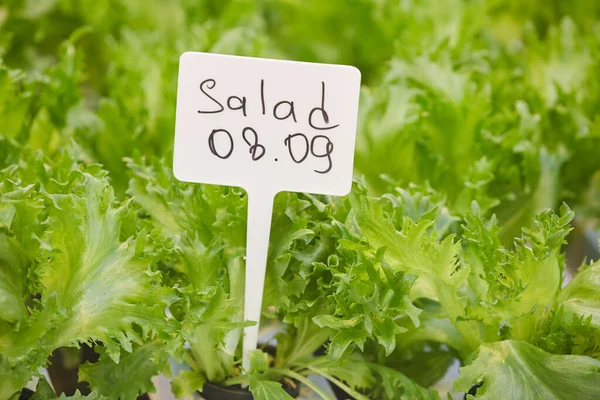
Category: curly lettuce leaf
<point>569,334</point>
<point>369,297</point>
<point>18,214</point>
<point>110,286</point>
<point>574,325</point>
<point>413,247</point>
<point>391,384</point>
<point>319,272</point>
<point>514,288</point>
<point>92,285</point>
<point>131,377</point>
<point>518,370</point>
<point>487,291</point>
<point>581,297</point>
<point>212,326</point>
<point>203,228</point>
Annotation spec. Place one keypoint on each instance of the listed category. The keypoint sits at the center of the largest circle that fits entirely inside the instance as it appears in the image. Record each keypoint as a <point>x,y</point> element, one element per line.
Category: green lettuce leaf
<point>203,229</point>
<point>262,380</point>
<point>79,396</point>
<point>43,390</point>
<point>581,297</point>
<point>92,284</point>
<point>573,326</point>
<point>267,390</point>
<point>515,288</point>
<point>131,377</point>
<point>518,370</point>
<point>111,286</point>
<point>187,382</point>
<point>391,384</point>
<point>15,102</point>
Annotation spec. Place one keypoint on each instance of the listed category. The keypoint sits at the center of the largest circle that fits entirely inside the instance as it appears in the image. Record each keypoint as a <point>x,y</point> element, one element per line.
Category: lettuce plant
<point>69,275</point>
<point>318,295</point>
<point>476,157</point>
<point>492,306</point>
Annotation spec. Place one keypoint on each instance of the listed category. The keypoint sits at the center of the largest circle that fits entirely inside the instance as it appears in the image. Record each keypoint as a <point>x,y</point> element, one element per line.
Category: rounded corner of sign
<point>178,174</point>
<point>344,191</point>
<point>356,72</point>
<point>185,55</point>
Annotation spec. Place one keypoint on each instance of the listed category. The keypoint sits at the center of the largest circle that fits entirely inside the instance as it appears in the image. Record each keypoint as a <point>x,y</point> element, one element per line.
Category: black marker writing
<point>290,144</point>
<point>327,153</point>
<point>262,95</point>
<point>323,113</point>
<point>299,145</point>
<point>291,111</point>
<point>212,147</point>
<point>241,106</point>
<point>210,84</point>
<point>254,146</point>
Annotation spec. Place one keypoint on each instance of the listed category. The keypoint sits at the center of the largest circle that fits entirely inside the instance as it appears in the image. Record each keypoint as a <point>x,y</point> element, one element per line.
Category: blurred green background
<point>475,98</point>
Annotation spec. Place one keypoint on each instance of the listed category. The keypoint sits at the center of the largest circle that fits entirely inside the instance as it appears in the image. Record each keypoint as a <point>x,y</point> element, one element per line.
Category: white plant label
<point>266,126</point>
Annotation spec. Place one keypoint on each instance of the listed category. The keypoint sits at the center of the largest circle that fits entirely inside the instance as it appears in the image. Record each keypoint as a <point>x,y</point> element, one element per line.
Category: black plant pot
<point>26,394</point>
<point>212,391</point>
<point>63,367</point>
<point>339,393</point>
<point>473,390</point>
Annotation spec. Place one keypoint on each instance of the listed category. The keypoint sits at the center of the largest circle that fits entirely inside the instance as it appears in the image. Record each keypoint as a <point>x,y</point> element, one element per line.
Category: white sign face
<point>266,125</point>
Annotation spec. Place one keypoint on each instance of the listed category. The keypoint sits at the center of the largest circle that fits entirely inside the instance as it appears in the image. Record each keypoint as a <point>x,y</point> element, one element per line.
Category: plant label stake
<point>266,126</point>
